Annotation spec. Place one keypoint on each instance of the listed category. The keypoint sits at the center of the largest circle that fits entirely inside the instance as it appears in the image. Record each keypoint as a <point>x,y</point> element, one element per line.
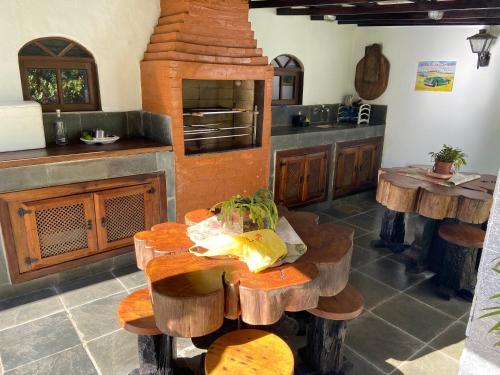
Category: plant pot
<point>442,167</point>
<point>244,221</point>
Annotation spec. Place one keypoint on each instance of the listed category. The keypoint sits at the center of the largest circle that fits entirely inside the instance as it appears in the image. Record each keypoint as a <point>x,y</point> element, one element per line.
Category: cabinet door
<point>367,166</point>
<point>315,176</point>
<point>290,181</point>
<point>345,170</point>
<point>57,230</point>
<point>121,213</point>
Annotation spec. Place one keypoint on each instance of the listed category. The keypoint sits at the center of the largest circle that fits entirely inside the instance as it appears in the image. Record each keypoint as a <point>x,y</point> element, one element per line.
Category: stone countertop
<point>81,151</point>
<point>291,130</point>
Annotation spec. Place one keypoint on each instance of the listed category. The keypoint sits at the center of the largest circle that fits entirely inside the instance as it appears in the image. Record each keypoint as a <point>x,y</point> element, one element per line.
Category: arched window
<point>59,74</point>
<point>287,82</point>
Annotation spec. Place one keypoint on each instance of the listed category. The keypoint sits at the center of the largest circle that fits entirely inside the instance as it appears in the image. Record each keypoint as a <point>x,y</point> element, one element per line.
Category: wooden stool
<point>327,328</point>
<point>157,351</point>
<point>197,216</point>
<point>457,272</point>
<point>249,351</point>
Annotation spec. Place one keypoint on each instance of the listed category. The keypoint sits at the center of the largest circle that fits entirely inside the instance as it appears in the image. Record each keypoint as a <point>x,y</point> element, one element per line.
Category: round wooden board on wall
<point>372,73</point>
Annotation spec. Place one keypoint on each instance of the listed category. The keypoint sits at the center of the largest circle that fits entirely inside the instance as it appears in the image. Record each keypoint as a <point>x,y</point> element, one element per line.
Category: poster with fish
<point>435,76</point>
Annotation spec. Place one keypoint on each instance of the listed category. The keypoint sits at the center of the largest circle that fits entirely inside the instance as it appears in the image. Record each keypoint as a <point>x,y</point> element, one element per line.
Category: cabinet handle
<point>89,224</point>
<point>152,190</point>
<point>104,222</point>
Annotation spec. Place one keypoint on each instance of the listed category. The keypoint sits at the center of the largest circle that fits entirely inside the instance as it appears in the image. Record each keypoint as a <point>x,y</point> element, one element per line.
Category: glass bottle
<point>61,136</point>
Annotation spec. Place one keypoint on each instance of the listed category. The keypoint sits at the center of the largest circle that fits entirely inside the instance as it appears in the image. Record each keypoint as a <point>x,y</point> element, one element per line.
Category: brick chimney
<point>207,40</point>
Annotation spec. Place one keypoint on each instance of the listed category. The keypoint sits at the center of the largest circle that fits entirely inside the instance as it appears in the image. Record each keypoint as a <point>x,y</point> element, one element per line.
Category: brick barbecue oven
<point>204,70</point>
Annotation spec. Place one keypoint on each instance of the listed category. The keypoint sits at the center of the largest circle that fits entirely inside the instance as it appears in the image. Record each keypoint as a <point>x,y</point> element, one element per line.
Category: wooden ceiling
<point>390,12</point>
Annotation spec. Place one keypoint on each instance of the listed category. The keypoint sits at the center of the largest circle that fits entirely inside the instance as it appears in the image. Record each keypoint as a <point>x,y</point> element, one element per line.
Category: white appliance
<point>21,126</point>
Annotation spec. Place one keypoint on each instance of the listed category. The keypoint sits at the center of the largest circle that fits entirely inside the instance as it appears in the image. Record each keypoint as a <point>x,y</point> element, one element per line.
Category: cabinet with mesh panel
<point>50,229</point>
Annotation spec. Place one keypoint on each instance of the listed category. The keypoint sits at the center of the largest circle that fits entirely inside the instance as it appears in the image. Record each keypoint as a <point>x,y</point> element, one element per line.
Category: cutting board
<point>372,73</point>
<point>21,126</point>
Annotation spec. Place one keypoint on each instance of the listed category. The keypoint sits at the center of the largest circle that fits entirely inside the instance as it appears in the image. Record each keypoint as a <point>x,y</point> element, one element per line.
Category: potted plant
<point>257,211</point>
<point>449,157</point>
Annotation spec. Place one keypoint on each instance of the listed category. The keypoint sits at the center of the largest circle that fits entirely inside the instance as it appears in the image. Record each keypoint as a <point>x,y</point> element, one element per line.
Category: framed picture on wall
<point>435,76</point>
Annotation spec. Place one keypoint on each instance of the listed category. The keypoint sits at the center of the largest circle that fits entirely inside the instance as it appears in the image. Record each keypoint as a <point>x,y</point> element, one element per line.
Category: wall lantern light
<point>480,44</point>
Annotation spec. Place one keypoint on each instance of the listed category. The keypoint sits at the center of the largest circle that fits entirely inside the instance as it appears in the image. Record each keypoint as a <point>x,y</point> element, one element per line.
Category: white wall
<point>115,31</point>
<point>421,121</point>
<point>324,49</point>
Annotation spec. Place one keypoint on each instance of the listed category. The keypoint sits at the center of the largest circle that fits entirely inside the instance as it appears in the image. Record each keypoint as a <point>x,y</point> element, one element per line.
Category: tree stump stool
<point>157,351</point>
<point>457,272</point>
<point>249,351</point>
<point>327,329</point>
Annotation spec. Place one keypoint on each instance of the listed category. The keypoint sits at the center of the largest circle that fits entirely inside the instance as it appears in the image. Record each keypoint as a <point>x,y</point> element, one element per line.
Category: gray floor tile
<point>97,318</point>
<point>365,222</point>
<point>342,210</point>
<point>115,353</point>
<point>358,232</point>
<point>377,212</point>
<point>451,341</point>
<point>373,291</point>
<point>381,344</point>
<point>364,202</point>
<point>31,341</point>
<point>413,317</point>
<point>74,361</point>
<point>391,273</point>
<point>131,276</point>
<point>85,290</point>
<point>365,241</point>
<point>360,365</point>
<point>361,256</point>
<point>425,293</point>
<point>429,361</point>
<point>29,307</point>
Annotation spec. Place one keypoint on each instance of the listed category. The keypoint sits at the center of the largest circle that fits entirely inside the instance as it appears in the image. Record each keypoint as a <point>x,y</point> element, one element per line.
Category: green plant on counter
<point>449,154</point>
<point>494,310</point>
<point>259,208</point>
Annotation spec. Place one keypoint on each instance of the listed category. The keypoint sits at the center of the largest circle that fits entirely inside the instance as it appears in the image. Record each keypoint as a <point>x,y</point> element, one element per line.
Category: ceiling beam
<point>296,3</point>
<point>449,15</point>
<point>471,21</point>
<point>394,8</point>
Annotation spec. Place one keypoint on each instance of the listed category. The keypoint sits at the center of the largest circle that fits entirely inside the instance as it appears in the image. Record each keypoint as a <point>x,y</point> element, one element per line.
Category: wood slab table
<point>399,193</point>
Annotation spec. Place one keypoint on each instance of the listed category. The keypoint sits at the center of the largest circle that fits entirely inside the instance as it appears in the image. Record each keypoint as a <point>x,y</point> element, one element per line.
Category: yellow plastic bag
<point>259,249</point>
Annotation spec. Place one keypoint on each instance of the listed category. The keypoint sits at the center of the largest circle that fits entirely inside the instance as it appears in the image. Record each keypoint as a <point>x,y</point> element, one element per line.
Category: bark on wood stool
<point>249,351</point>
<point>157,351</point>
<point>458,269</point>
<point>327,328</point>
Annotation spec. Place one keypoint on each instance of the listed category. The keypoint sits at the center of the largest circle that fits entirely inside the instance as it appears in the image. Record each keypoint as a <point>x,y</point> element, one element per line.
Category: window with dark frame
<point>287,81</point>
<point>59,74</point>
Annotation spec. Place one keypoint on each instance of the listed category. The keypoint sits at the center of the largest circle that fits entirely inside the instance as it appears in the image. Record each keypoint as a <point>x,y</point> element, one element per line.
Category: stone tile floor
<point>405,328</point>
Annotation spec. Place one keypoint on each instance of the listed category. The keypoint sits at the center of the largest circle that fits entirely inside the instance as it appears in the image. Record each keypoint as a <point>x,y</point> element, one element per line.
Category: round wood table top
<point>135,314</point>
<point>470,202</point>
<point>249,351</point>
<point>192,294</point>
<point>462,235</point>
<point>346,305</point>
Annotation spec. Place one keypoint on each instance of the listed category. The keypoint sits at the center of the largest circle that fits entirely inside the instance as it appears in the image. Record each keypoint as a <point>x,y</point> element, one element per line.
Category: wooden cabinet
<point>356,165</point>
<point>301,175</point>
<point>51,229</point>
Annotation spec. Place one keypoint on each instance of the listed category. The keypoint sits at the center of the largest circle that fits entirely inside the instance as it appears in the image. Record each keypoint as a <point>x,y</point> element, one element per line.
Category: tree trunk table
<point>191,295</point>
<point>401,193</point>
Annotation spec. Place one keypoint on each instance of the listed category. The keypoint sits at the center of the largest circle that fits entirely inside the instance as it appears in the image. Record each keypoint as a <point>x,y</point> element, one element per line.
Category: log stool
<point>249,351</point>
<point>156,350</point>
<point>327,328</point>
<point>457,272</point>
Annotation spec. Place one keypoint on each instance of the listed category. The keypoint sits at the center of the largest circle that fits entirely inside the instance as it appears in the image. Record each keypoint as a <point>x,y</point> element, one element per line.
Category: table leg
<point>325,345</point>
<point>418,253</point>
<point>392,232</point>
<point>156,355</point>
